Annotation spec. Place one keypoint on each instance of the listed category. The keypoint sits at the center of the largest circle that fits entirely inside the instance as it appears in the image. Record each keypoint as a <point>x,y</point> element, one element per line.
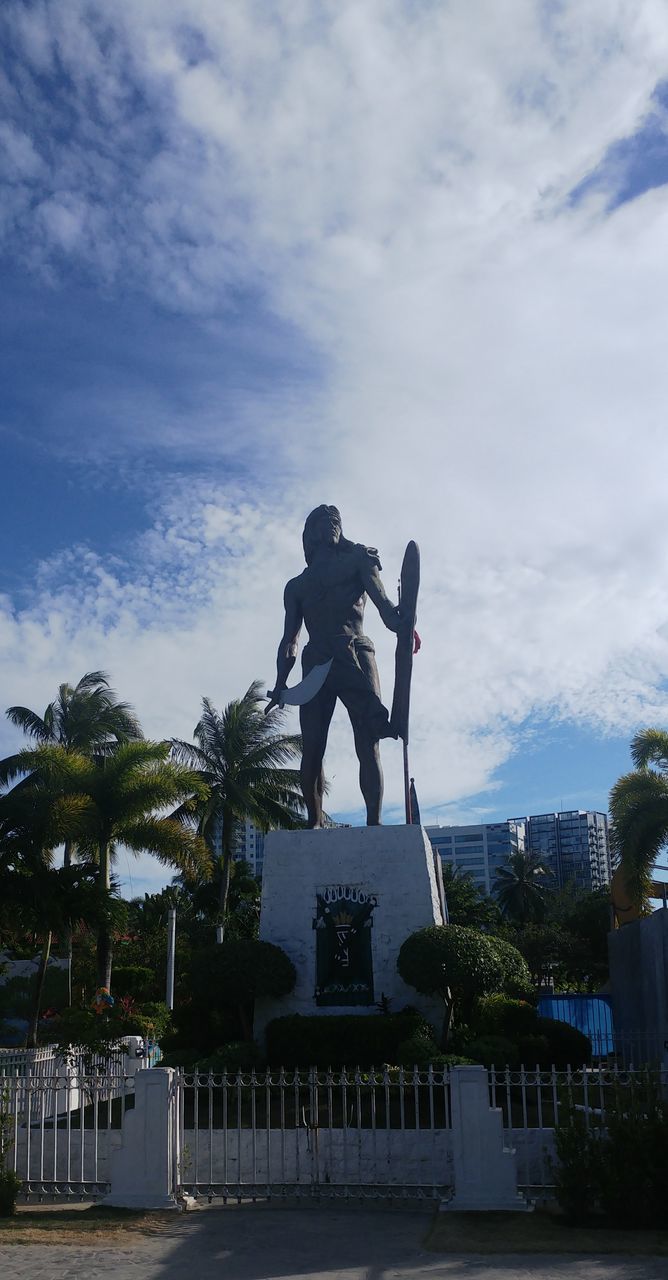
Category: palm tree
<point>34,820</point>
<point>241,757</point>
<point>85,718</point>
<point>639,813</point>
<point>119,798</point>
<point>520,887</point>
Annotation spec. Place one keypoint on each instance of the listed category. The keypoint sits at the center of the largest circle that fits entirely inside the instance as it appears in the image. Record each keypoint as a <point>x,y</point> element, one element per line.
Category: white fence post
<point>485,1172</point>
<point>142,1169</point>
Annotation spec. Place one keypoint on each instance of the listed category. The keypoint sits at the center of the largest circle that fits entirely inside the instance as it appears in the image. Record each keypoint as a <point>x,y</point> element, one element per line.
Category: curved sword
<point>306,689</point>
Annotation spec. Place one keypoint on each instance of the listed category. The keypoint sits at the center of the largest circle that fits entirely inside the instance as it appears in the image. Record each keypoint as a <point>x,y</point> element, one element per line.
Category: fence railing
<point>349,1134</point>
<point>62,1129</point>
<point>631,1049</point>
<point>531,1102</point>
<point>343,1133</point>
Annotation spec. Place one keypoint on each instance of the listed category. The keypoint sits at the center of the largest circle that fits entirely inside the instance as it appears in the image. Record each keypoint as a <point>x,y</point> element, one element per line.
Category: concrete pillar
<point>485,1173</point>
<point>143,1172</point>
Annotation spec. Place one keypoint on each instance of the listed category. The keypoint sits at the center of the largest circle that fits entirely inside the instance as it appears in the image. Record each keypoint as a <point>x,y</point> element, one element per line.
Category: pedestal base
<point>340,903</point>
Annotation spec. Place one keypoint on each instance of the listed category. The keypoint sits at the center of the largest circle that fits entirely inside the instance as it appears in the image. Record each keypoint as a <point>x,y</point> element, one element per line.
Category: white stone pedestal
<point>485,1170</point>
<point>396,866</point>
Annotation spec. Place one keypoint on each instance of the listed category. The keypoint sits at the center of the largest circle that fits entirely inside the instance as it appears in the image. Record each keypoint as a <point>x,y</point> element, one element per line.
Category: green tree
<point>520,887</point>
<point>119,800</point>
<point>85,718</point>
<point>467,904</point>
<point>34,821</point>
<point>241,757</point>
<point>203,899</point>
<point>545,946</point>
<point>236,973</point>
<point>639,813</point>
<point>453,962</point>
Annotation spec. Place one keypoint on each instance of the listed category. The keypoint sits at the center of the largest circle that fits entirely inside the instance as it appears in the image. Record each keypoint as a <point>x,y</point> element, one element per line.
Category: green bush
<point>620,1170</point>
<point>238,1055</point>
<point>150,1020</point>
<point>504,1015</point>
<point>341,1040</point>
<point>238,971</point>
<point>576,1172</point>
<point>516,978</point>
<point>567,1047</point>
<point>493,1051</point>
<point>133,980</point>
<point>534,1051</point>
<point>10,1185</point>
<point>419,1050</point>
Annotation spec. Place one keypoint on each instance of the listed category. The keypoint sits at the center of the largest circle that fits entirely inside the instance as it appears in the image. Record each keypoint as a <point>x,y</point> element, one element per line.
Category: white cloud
<point>394,181</point>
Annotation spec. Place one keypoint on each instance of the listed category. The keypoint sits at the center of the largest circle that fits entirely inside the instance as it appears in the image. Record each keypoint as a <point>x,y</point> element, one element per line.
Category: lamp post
<point>171,947</point>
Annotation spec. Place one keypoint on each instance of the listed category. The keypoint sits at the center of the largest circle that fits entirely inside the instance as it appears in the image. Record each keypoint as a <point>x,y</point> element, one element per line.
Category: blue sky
<point>408,261</point>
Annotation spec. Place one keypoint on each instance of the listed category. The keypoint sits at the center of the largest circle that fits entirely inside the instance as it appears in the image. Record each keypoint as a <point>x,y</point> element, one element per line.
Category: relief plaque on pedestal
<point>344,964</point>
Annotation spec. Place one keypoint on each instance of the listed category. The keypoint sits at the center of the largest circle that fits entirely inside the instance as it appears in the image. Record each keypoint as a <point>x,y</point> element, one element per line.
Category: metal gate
<point>375,1134</point>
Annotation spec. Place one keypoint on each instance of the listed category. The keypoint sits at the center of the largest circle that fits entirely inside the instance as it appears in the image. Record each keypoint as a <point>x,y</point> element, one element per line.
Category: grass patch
<point>85,1224</point>
<point>544,1231</point>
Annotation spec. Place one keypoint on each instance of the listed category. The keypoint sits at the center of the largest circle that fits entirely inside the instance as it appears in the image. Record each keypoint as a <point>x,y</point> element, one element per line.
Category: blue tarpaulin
<point>591,1014</point>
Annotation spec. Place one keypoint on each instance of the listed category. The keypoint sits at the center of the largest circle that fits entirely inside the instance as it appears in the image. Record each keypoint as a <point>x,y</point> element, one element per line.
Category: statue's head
<point>322,528</point>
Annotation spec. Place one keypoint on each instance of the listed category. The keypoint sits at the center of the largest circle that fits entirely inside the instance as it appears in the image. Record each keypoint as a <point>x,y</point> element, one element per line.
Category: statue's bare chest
<point>332,580</point>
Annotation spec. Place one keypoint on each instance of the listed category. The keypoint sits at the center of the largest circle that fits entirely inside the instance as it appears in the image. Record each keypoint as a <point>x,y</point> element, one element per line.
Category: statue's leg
<point>371,775</point>
<point>315,718</point>
<point>368,717</point>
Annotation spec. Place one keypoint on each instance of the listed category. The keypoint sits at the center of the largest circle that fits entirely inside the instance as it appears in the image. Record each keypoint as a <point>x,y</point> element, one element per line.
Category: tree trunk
<point>67,862</point>
<point>447,1021</point>
<point>105,945</point>
<point>31,1038</point>
<point>105,953</point>
<point>228,837</point>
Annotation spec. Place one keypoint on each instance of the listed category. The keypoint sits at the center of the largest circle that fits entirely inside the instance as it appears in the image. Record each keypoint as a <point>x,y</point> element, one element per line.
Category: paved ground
<point>267,1243</point>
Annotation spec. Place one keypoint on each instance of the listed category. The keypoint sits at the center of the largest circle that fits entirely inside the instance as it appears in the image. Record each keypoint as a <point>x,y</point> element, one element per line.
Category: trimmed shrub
<point>133,980</point>
<point>493,1051</point>
<point>516,978</point>
<point>534,1051</point>
<point>342,1040</point>
<point>237,971</point>
<point>620,1170</point>
<point>238,1055</point>
<point>567,1047</point>
<point>417,1051</point>
<point>506,1016</point>
<point>10,1185</point>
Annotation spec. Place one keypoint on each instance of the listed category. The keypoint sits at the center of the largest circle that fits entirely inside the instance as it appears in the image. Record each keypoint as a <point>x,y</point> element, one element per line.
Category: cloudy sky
<point>408,258</point>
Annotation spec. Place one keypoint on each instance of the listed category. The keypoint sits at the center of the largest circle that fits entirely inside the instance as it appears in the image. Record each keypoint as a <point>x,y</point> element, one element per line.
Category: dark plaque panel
<point>344,966</point>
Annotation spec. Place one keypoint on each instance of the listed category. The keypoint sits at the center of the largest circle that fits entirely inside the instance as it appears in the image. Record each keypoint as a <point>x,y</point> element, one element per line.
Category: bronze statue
<point>339,660</point>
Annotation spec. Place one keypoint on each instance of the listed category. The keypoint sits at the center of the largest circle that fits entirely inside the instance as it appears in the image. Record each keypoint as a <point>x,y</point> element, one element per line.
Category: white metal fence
<point>372,1134</point>
<point>531,1101</point>
<point>62,1129</point>
<point>65,1115</point>
<point>305,1134</point>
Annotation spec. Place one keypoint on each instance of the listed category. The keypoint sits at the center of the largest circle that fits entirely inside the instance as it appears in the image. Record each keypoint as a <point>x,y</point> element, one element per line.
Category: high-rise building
<point>249,845</point>
<point>573,845</point>
<point>478,850</point>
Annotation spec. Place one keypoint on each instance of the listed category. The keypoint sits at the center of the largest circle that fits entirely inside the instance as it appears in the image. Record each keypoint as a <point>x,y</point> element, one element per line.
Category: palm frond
<point>31,724</point>
<point>650,746</point>
<point>169,842</point>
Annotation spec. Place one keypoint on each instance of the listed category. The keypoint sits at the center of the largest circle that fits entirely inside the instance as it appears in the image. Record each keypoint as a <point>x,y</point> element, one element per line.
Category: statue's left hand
<point>274,698</point>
